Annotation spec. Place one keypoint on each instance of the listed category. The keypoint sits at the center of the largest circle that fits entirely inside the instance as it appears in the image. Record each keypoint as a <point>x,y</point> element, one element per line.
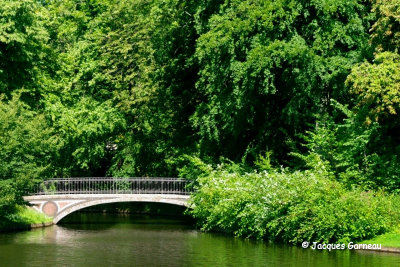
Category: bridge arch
<point>59,206</point>
<point>178,200</point>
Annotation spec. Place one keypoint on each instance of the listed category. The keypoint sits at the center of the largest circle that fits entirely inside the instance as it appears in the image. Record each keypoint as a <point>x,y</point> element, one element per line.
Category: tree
<point>143,53</point>
<point>267,67</point>
<point>386,30</point>
<point>377,86</point>
<point>23,50</point>
<point>28,151</point>
<point>89,133</point>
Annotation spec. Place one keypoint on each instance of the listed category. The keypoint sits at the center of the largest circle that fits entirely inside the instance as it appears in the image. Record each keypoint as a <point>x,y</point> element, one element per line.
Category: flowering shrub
<point>291,207</point>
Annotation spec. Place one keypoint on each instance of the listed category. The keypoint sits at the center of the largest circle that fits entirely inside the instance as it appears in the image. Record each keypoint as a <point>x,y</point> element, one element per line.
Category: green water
<point>117,240</point>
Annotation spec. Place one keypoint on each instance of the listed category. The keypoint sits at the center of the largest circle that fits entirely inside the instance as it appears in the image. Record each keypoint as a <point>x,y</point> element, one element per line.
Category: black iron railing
<point>111,185</point>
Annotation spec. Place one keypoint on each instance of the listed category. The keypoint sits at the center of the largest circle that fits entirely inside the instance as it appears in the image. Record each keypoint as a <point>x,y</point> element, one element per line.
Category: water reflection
<point>105,240</point>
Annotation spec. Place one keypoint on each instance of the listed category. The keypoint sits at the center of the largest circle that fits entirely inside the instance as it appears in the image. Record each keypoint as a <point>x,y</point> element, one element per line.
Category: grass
<point>386,240</point>
<point>23,217</point>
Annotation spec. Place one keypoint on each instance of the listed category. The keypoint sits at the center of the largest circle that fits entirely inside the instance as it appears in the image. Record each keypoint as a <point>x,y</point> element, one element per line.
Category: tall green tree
<point>24,54</point>
<point>375,88</point>
<point>83,116</point>
<point>89,132</point>
<point>267,67</point>
<point>28,151</point>
<point>143,62</point>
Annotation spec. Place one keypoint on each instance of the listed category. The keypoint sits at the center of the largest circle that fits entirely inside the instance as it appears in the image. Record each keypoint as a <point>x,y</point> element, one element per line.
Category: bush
<point>290,207</point>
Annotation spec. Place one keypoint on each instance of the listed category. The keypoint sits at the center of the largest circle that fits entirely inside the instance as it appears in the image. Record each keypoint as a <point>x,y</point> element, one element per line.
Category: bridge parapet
<point>111,185</point>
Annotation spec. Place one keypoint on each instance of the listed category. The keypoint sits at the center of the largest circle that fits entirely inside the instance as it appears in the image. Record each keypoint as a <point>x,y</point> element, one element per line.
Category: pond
<point>93,239</point>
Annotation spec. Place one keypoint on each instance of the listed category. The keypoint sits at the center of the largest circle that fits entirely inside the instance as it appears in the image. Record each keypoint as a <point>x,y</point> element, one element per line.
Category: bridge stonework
<point>61,196</point>
<point>59,206</point>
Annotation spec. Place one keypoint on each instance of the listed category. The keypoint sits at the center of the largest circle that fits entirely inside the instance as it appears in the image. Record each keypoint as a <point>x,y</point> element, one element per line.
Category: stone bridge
<point>59,197</point>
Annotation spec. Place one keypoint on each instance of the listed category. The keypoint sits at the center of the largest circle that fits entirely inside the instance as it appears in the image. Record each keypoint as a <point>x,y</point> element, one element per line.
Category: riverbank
<point>390,242</point>
<point>24,218</point>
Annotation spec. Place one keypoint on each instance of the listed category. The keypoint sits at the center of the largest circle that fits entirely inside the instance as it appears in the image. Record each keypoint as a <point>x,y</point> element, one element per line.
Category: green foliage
<point>386,240</point>
<point>291,207</point>
<point>22,217</point>
<point>386,30</point>
<point>267,66</point>
<point>28,147</point>
<point>263,163</point>
<point>202,88</point>
<point>24,55</point>
<point>377,86</point>
<point>145,67</point>
<point>70,25</point>
<point>88,130</point>
<point>26,215</point>
<point>235,76</point>
<point>191,167</point>
<point>136,56</point>
<point>356,154</point>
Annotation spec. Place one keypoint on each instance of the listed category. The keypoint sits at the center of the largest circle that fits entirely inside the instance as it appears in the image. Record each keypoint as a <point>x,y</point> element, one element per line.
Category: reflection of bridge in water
<point>59,197</point>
